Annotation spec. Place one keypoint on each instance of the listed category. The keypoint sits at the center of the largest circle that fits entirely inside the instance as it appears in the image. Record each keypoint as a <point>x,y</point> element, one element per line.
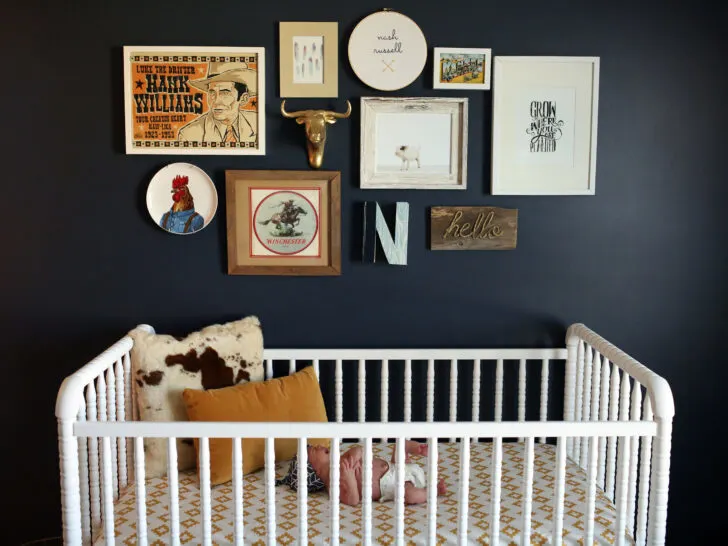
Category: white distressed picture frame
<point>518,166</point>
<point>455,179</point>
<point>191,50</point>
<point>486,52</point>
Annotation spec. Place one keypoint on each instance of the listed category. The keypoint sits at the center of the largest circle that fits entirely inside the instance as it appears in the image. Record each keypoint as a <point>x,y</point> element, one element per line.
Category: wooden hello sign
<point>473,228</point>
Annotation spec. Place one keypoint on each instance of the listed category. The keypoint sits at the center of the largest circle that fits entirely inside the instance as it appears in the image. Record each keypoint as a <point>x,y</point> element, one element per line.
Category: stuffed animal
<point>315,483</point>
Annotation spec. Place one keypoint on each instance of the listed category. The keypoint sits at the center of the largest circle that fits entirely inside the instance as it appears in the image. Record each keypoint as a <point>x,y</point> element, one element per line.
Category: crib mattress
<point>384,514</point>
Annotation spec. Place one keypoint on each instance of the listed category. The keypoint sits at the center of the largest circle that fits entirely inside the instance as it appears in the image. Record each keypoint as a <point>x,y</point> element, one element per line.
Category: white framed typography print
<point>414,143</point>
<point>545,112</point>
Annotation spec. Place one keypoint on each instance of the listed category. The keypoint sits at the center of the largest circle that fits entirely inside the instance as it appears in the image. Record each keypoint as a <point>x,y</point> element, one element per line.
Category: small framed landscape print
<point>309,59</point>
<point>462,68</point>
<point>545,112</point>
<point>418,143</point>
<point>194,100</point>
<point>283,222</point>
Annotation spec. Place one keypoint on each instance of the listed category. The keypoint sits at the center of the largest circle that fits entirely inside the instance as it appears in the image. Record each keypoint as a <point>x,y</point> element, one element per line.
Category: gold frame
<point>330,34</point>
<point>239,257</point>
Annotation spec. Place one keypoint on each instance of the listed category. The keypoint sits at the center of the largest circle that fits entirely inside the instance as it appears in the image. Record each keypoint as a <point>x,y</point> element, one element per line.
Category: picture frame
<point>167,100</point>
<point>545,120</point>
<point>319,75</point>
<point>283,222</point>
<point>462,68</point>
<point>428,150</point>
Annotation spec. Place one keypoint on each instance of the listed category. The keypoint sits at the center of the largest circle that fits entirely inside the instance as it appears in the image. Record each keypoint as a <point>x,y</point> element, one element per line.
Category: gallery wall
<point>642,262</point>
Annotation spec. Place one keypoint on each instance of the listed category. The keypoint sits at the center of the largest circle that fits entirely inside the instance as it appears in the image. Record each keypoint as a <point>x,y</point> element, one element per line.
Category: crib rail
<point>617,418</point>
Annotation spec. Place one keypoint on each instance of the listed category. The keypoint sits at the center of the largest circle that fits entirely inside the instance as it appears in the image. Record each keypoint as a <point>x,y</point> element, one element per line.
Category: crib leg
<point>68,453</point>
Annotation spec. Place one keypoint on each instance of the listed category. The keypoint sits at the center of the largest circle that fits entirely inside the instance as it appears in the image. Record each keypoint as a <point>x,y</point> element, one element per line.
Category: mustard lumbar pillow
<point>296,397</point>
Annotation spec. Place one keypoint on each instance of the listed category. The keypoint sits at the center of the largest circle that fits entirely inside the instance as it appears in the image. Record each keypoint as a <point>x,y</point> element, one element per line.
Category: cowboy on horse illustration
<point>286,220</point>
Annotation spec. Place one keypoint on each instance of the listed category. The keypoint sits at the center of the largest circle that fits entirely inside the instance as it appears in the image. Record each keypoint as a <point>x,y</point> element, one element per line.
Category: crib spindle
<point>399,497</point>
<point>644,491</point>
<point>603,415</point>
<point>623,469</point>
<point>238,491</point>
<point>111,416</point>
<point>366,493</point>
<point>408,391</point>
<point>121,416</point>
<point>334,490</point>
<point>173,486</point>
<point>269,369</point>
<point>499,390</point>
<point>570,389</point>
<point>596,370</point>
<point>84,481</point>
<point>612,442</point>
<point>476,390</point>
<point>591,490</point>
<point>270,493</point>
<point>432,491</point>
<point>527,492</point>
<point>453,394</point>
<point>291,366</point>
<point>128,415</point>
<point>560,485</point>
<point>302,493</point>
<point>430,391</point>
<point>636,415</point>
<point>108,494</point>
<point>362,386</point>
<point>495,490</point>
<point>521,392</point>
<point>94,482</point>
<point>586,400</point>
<point>141,491</point>
<point>205,491</point>
<point>316,369</point>
<point>543,416</point>
<point>579,399</point>
<point>384,396</point>
<point>339,387</point>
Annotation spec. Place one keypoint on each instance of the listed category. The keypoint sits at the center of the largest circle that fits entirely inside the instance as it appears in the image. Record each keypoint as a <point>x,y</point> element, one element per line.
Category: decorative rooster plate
<point>181,199</point>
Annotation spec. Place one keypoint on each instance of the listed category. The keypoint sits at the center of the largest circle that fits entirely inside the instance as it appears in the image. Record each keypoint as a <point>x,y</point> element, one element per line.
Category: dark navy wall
<point>643,262</point>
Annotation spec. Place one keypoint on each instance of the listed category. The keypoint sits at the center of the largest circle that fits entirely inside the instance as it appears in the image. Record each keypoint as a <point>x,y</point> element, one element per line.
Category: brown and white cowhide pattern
<point>163,366</point>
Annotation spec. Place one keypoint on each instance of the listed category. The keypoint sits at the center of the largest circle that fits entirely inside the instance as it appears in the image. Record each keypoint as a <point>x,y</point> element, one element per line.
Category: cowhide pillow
<point>163,366</point>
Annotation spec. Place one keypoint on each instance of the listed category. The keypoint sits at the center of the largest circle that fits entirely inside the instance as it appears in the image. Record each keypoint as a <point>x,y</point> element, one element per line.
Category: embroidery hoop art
<point>159,194</point>
<point>375,69</point>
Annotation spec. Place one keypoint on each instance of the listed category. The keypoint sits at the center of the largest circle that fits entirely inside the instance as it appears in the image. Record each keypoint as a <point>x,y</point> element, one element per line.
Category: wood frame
<point>202,141</point>
<point>241,245</point>
<point>456,179</point>
<point>330,34</point>
<point>486,52</point>
<point>575,80</point>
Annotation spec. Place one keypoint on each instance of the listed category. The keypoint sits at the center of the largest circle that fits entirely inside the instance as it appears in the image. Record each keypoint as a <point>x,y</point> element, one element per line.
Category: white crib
<point>616,428</point>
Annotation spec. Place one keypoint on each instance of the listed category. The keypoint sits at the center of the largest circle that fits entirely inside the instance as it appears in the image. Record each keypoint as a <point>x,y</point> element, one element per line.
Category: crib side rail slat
<point>635,413</point>
<point>111,416</point>
<point>93,455</point>
<point>543,415</point>
<point>407,391</point>
<point>334,489</point>
<point>141,491</point>
<point>366,492</point>
<point>578,416</point>
<point>302,493</point>
<point>495,491</point>
<point>204,458</point>
<point>432,490</point>
<point>270,494</point>
<point>384,396</point>
<point>644,489</point>
<point>173,491</point>
<point>528,492</point>
<point>560,485</point>
<point>362,388</point>
<point>521,392</point>
<point>238,491</point>
<point>476,391</point>
<point>499,390</point>
<point>128,415</point>
<point>453,394</point>
<point>339,388</point>
<point>586,410</point>
<point>612,440</point>
<point>399,497</point>
<point>430,391</point>
<point>603,416</point>
<point>108,491</point>
<point>84,480</point>
<point>121,416</point>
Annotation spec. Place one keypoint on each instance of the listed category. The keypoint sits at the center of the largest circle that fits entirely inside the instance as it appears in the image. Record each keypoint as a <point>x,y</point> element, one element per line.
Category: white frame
<point>511,176</point>
<point>455,180</point>
<point>89,442</point>
<point>153,150</point>
<point>436,84</point>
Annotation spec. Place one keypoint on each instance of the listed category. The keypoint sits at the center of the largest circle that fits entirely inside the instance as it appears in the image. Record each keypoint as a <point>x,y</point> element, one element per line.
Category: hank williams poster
<point>202,100</point>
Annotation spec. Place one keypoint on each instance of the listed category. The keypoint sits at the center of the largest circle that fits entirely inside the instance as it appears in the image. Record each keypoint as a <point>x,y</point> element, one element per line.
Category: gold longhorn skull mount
<point>315,122</point>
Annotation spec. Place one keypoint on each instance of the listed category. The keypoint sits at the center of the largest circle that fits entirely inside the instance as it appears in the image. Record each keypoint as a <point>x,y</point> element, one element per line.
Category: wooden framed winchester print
<point>283,222</point>
<point>194,100</point>
<point>419,143</point>
<point>545,112</point>
<point>387,50</point>
<point>309,63</point>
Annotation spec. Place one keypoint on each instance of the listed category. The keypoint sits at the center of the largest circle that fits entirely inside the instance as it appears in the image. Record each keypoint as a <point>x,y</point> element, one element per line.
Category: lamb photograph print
<point>308,59</point>
<point>418,143</point>
<point>413,143</point>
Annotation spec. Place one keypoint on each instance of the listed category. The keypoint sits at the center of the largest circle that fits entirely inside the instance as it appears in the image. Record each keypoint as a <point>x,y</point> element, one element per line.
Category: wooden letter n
<point>395,251</point>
